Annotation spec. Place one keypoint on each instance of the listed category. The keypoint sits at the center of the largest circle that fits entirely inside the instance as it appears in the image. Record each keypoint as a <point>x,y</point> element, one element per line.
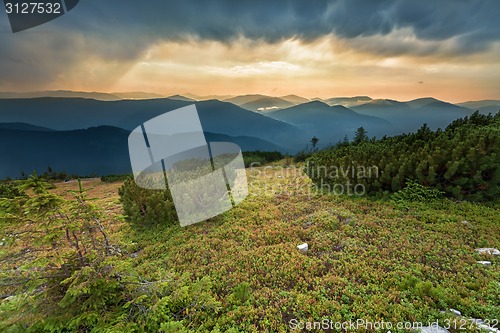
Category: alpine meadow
<point>250,166</point>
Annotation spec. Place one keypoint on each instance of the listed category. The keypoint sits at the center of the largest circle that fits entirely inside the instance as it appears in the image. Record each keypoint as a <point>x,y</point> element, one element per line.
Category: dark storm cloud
<point>122,30</point>
<point>474,20</point>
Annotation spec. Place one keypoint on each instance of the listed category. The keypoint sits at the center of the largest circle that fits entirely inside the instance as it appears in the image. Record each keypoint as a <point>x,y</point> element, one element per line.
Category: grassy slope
<point>361,253</point>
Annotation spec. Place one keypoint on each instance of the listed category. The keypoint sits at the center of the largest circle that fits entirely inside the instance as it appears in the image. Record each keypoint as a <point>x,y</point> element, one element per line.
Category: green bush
<point>147,206</point>
<point>242,292</point>
<point>53,176</point>
<point>302,155</point>
<point>415,192</point>
<point>115,178</point>
<point>258,158</point>
<point>254,161</point>
<point>9,190</point>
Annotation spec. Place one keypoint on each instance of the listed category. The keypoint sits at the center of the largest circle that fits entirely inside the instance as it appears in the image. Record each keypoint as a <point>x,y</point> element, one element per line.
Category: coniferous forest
<point>461,161</point>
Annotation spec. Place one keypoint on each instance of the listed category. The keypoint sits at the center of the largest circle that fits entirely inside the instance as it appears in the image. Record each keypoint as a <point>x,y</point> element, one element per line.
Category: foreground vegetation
<point>397,260</point>
<point>103,255</point>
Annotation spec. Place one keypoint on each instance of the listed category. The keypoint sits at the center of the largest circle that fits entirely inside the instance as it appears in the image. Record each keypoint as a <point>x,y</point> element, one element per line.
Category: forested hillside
<point>461,161</point>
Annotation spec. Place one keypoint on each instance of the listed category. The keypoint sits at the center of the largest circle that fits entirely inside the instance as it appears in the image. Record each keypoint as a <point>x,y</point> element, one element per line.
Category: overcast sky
<point>402,49</point>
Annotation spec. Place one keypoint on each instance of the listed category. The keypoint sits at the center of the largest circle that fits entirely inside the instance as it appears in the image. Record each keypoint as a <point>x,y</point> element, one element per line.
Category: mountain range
<point>409,116</point>
<point>114,96</point>
<point>86,133</point>
<point>330,122</point>
<point>94,151</point>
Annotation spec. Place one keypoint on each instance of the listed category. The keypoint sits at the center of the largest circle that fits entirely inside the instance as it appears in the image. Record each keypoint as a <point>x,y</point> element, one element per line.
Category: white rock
<point>489,329</point>
<point>456,312</point>
<point>488,250</point>
<point>433,329</point>
<point>482,325</point>
<point>303,247</point>
<point>485,263</point>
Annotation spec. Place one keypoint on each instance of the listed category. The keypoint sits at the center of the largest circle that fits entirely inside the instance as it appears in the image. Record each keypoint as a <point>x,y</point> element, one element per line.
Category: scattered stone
<point>136,253</point>
<point>338,247</point>
<point>489,329</point>
<point>488,250</point>
<point>303,247</point>
<point>485,263</point>
<point>433,329</point>
<point>483,326</point>
<point>456,312</point>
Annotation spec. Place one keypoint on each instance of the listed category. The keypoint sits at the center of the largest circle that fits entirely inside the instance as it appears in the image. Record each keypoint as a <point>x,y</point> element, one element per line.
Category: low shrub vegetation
<point>259,158</point>
<point>119,261</point>
<point>461,161</point>
<point>115,178</point>
<point>145,206</point>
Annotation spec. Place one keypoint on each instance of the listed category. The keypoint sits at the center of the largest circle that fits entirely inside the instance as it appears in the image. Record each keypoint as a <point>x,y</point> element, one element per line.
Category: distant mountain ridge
<point>114,96</point>
<point>24,127</point>
<point>484,107</point>
<point>242,99</point>
<point>137,95</point>
<point>74,113</point>
<point>61,94</point>
<point>480,104</point>
<point>216,116</point>
<point>409,116</point>
<point>330,123</point>
<point>98,150</point>
<point>419,102</point>
<point>181,98</point>
<point>348,101</point>
<point>295,99</point>
<point>49,128</point>
<point>265,104</point>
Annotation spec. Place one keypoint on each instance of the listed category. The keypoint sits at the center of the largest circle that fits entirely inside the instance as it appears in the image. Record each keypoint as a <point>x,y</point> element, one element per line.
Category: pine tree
<point>361,135</point>
<point>314,142</point>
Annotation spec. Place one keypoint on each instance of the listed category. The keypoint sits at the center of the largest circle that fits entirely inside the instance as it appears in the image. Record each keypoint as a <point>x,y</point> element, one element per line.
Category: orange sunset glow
<point>391,59</point>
